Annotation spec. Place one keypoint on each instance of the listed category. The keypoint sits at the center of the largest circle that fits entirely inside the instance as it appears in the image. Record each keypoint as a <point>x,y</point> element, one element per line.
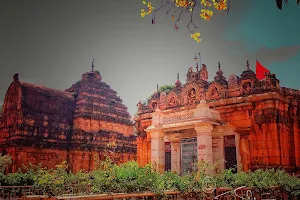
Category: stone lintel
<point>184,125</point>
<point>153,128</point>
<point>218,130</point>
<point>241,130</point>
<point>174,137</point>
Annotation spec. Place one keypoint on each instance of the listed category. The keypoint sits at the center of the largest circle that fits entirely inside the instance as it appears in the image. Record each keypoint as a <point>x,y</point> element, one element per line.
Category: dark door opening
<point>230,153</point>
<point>167,157</point>
<point>188,155</point>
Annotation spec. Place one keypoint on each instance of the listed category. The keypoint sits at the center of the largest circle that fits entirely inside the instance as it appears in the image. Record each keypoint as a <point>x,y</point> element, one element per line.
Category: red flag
<point>261,71</point>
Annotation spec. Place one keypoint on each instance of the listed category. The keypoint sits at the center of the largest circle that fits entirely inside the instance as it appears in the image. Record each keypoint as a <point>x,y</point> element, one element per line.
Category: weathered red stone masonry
<point>48,126</point>
<point>261,117</point>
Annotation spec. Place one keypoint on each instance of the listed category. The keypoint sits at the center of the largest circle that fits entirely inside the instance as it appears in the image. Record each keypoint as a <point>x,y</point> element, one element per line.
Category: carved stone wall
<point>48,126</point>
<point>264,114</point>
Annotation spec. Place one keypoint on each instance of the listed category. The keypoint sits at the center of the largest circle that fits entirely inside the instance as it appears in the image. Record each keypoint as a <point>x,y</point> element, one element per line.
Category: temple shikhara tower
<point>80,125</point>
<point>247,122</point>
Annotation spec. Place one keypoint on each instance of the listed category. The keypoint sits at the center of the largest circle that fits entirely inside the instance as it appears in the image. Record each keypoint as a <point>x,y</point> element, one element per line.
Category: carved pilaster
<point>175,156</point>
<point>158,150</point>
<point>238,154</point>
<point>204,142</point>
<point>218,147</point>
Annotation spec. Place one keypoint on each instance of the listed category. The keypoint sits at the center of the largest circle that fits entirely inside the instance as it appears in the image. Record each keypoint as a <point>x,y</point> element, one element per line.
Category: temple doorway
<point>230,152</point>
<point>188,155</point>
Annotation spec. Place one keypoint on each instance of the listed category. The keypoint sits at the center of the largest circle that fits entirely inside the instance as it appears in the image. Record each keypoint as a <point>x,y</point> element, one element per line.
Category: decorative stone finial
<point>139,105</point>
<point>248,73</point>
<point>93,65</point>
<point>157,87</point>
<point>203,101</point>
<point>178,83</point>
<point>219,76</point>
<point>202,104</point>
<point>16,77</point>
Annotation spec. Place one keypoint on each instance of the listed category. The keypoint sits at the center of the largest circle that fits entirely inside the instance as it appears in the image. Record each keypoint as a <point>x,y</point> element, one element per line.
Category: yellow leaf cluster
<point>143,13</point>
<point>181,3</point>
<point>196,36</point>
<point>148,10</point>
<point>206,14</point>
<point>221,5</point>
<point>205,3</point>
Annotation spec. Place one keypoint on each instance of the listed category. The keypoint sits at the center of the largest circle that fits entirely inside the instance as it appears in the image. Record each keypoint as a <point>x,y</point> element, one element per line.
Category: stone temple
<point>247,122</point>
<point>80,125</point>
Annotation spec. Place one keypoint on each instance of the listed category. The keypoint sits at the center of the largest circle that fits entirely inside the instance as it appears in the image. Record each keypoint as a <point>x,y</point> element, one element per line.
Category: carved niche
<point>233,82</point>
<point>153,105</point>
<point>191,76</point>
<point>184,99</point>
<point>192,96</point>
<point>172,99</point>
<point>192,93</point>
<point>215,91</point>
<point>246,87</point>
<point>163,97</point>
<point>203,73</point>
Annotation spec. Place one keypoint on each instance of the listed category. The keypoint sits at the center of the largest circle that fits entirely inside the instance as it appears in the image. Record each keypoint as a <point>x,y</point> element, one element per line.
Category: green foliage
<point>5,161</point>
<point>52,181</point>
<point>131,178</point>
<point>166,88</point>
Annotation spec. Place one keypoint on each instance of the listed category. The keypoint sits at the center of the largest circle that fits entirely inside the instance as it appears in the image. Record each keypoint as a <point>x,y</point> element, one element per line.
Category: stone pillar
<point>222,153</point>
<point>175,156</point>
<point>218,147</point>
<point>238,154</point>
<point>158,150</point>
<point>218,151</point>
<point>204,142</point>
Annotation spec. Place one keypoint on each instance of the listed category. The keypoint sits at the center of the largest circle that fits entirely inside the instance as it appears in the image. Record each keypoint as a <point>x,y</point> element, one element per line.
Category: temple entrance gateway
<point>188,155</point>
<point>194,135</point>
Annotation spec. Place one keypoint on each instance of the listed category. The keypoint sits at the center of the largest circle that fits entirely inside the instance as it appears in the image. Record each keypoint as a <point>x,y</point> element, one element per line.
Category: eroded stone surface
<point>48,126</point>
<point>263,114</point>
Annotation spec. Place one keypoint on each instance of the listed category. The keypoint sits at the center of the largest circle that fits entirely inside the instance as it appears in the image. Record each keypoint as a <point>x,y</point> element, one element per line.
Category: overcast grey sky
<point>52,43</point>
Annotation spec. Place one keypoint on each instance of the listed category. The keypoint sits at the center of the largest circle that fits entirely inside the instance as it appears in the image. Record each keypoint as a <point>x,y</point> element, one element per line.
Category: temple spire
<point>198,64</point>
<point>157,87</point>
<point>219,65</point>
<point>93,65</point>
<point>247,64</point>
<point>16,77</point>
<point>178,76</point>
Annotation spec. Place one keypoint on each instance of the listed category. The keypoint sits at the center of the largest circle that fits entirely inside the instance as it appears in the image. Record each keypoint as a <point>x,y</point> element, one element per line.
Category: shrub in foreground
<point>131,178</point>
